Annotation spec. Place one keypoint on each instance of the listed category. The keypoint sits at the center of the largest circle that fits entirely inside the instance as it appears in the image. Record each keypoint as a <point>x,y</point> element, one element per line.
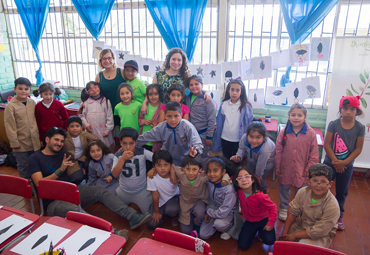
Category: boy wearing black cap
<point>130,71</point>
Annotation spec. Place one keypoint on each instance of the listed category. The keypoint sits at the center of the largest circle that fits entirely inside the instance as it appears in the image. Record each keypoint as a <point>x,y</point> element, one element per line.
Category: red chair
<point>179,239</point>
<point>290,248</point>
<point>58,190</point>
<point>90,220</point>
<point>16,186</point>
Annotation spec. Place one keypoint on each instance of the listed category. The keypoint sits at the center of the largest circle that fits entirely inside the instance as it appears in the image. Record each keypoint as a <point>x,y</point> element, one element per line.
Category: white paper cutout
<point>121,58</point>
<point>197,70</point>
<point>213,74</point>
<point>261,67</point>
<point>311,87</point>
<point>11,225</point>
<point>320,48</point>
<point>157,66</point>
<point>230,70</point>
<point>257,98</point>
<point>98,46</point>
<point>295,93</point>
<point>275,95</point>
<point>300,54</point>
<point>281,59</point>
<point>73,243</point>
<point>147,67</point>
<point>216,96</point>
<point>54,233</point>
<point>246,71</point>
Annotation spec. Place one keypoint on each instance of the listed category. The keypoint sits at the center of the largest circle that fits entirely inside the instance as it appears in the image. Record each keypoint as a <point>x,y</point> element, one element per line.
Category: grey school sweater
<point>175,140</point>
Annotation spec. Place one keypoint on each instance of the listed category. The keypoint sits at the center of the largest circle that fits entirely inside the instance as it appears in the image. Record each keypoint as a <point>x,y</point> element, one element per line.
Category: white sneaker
<point>283,214</point>
<point>225,236</point>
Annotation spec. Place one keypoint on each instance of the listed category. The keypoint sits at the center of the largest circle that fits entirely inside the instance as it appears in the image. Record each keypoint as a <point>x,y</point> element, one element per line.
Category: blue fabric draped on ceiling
<point>301,18</point>
<point>34,14</point>
<point>179,22</point>
<point>94,14</point>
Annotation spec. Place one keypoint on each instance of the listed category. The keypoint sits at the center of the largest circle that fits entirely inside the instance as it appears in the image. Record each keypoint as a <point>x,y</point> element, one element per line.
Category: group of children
<point>176,137</point>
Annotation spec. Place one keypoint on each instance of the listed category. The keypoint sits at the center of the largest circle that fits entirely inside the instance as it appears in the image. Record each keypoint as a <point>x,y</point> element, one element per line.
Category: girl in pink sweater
<point>296,151</point>
<point>258,209</point>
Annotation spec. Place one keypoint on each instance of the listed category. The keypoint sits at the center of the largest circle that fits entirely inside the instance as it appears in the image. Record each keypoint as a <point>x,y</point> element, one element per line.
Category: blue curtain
<point>303,16</point>
<point>94,14</point>
<point>178,21</point>
<point>34,14</point>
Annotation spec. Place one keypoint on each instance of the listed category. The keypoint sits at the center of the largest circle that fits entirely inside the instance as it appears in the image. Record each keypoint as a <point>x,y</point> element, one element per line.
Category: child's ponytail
<point>283,142</point>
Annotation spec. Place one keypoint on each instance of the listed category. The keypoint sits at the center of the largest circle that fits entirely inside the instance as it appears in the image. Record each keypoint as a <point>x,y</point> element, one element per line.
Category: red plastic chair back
<point>178,239</point>
<point>90,220</point>
<point>290,248</point>
<point>58,190</point>
<point>16,186</point>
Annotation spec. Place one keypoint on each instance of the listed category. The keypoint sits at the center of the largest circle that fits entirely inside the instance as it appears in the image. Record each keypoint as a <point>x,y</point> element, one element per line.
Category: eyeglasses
<point>247,177</point>
<point>317,183</point>
<point>93,87</point>
<point>108,58</point>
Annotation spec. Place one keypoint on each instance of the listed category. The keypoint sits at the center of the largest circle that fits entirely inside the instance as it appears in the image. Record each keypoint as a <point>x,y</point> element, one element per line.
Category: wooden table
<point>5,212</point>
<point>112,245</point>
<point>150,246</point>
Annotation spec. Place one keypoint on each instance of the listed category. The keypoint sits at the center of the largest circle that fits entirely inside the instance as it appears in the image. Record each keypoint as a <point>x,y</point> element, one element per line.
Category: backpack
<point>4,148</point>
<point>10,160</point>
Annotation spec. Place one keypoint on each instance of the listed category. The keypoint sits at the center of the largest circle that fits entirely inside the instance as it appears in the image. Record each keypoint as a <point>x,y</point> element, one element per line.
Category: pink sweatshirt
<point>258,207</point>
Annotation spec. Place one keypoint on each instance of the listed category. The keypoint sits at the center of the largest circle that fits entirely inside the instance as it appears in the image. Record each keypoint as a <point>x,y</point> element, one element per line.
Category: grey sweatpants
<point>22,162</point>
<point>284,194</point>
<point>171,208</point>
<point>221,225</point>
<point>143,199</point>
<point>196,217</point>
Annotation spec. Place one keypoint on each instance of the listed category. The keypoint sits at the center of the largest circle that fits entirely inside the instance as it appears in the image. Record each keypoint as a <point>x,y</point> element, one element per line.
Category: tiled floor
<point>355,240</point>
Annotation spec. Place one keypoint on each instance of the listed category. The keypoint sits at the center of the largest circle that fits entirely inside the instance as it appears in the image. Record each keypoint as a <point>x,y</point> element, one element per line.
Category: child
<point>97,116</point>
<point>257,208</point>
<point>129,166</point>
<point>20,125</point>
<point>100,166</point>
<point>313,213</point>
<point>297,140</point>
<point>260,151</point>
<point>150,120</point>
<point>75,144</point>
<point>49,112</point>
<point>233,118</point>
<point>176,93</point>
<point>202,114</point>
<point>128,110</point>
<point>193,193</point>
<point>222,202</point>
<point>165,194</point>
<point>130,71</point>
<point>343,143</point>
<point>178,136</point>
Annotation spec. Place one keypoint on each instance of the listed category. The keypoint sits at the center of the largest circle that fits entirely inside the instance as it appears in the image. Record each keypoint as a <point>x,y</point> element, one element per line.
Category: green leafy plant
<point>365,78</point>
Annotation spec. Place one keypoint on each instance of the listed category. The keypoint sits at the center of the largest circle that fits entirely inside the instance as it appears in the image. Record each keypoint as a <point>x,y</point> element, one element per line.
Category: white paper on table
<point>54,234</point>
<point>147,67</point>
<point>295,93</point>
<point>213,74</point>
<point>318,137</point>
<point>281,59</point>
<point>246,71</point>
<point>261,67</point>
<point>73,243</point>
<point>257,98</point>
<point>311,87</point>
<point>230,70</point>
<point>300,54</point>
<point>16,222</point>
<point>98,46</point>
<point>275,95</point>
<point>320,48</point>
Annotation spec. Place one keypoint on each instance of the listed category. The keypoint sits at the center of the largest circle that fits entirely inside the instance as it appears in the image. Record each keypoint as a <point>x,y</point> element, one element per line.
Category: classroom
<point>209,126</point>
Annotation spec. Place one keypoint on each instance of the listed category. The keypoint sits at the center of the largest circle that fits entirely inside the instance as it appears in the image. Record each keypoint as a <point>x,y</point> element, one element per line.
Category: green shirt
<point>149,116</point>
<point>128,114</point>
<point>192,182</point>
<point>139,89</point>
<point>192,99</point>
<point>314,200</point>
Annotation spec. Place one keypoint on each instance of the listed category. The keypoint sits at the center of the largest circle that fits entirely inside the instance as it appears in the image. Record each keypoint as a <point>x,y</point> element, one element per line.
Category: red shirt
<point>258,207</point>
<point>54,116</point>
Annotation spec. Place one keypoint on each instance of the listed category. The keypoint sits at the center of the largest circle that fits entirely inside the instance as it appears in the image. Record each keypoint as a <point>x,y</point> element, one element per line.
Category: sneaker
<point>283,214</point>
<point>139,219</point>
<point>122,232</point>
<point>225,236</point>
<point>174,222</point>
<point>341,224</point>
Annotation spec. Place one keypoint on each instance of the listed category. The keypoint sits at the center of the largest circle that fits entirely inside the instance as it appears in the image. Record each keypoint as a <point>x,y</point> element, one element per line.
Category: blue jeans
<point>249,231</point>
<point>341,184</point>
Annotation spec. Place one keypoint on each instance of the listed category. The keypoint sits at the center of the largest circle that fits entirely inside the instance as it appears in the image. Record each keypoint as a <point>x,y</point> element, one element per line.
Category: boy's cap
<point>353,101</point>
<point>131,63</point>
